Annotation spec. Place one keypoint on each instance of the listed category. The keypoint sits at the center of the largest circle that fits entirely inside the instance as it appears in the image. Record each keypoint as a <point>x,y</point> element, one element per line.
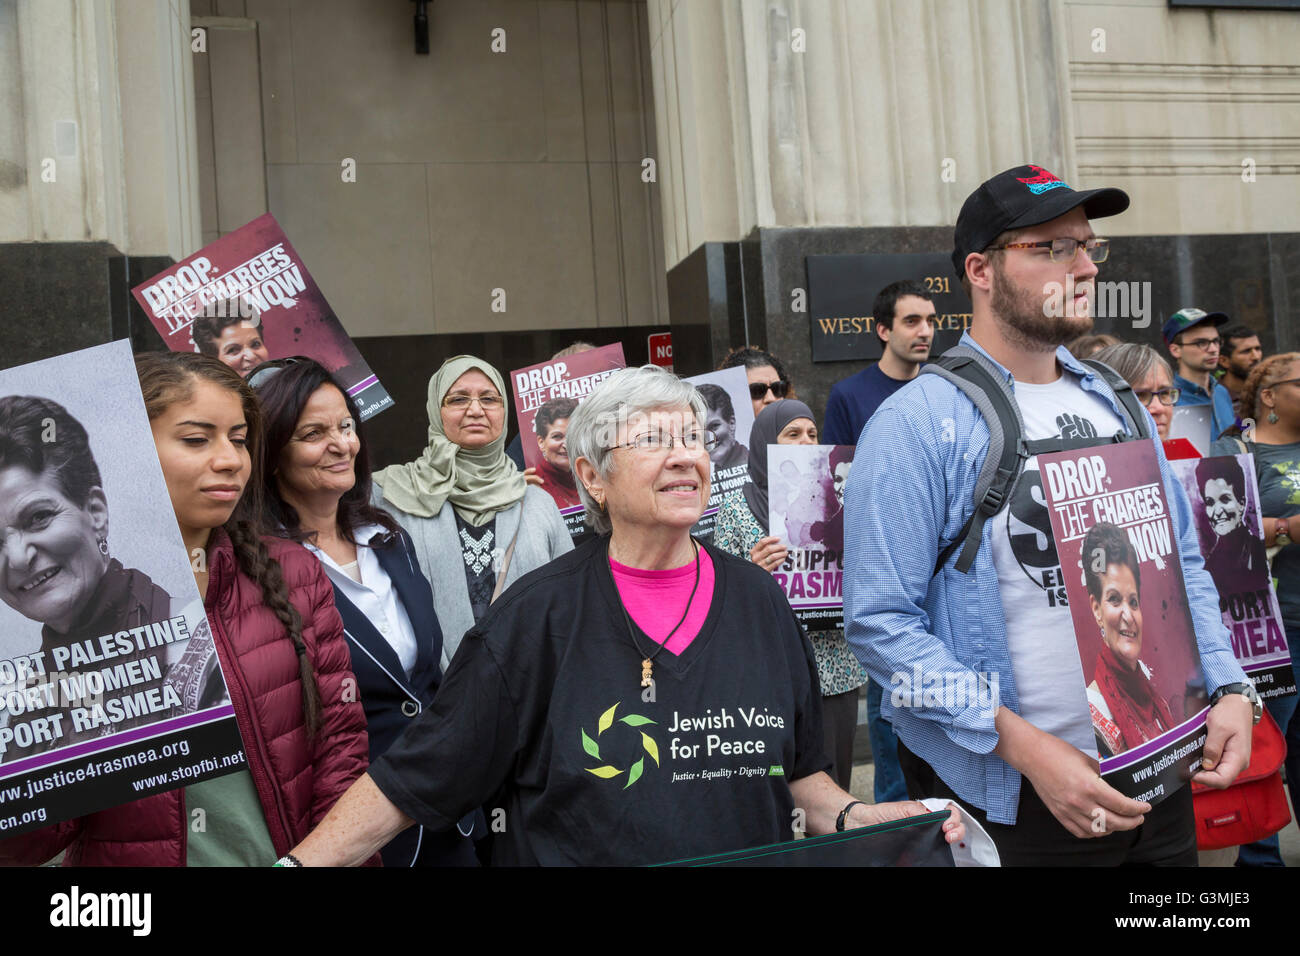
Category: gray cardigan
<point>542,538</point>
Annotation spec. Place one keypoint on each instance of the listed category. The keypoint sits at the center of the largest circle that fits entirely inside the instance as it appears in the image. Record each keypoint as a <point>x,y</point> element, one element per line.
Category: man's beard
<point>1024,320</point>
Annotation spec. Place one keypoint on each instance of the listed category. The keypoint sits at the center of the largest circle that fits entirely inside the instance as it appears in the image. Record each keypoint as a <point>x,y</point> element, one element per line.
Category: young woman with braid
<point>275,631</point>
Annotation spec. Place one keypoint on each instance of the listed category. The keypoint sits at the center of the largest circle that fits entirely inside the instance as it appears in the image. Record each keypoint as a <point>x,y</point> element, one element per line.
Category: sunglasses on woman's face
<point>269,370</point>
<point>758,390</point>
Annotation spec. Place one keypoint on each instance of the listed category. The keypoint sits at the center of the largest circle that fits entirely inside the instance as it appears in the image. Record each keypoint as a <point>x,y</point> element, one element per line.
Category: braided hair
<point>169,377</point>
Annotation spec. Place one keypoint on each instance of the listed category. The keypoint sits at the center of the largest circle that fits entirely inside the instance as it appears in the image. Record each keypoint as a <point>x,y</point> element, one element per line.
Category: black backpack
<point>1008,451</point>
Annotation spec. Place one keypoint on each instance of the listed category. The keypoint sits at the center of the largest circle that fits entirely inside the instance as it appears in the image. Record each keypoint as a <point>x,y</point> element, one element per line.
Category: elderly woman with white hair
<point>642,699</point>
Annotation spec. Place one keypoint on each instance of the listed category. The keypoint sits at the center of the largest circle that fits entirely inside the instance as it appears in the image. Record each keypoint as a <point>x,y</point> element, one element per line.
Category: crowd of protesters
<point>491,656</point>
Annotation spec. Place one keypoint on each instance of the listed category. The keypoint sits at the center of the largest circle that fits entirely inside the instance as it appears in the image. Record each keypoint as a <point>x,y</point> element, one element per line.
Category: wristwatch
<point>1246,690</point>
<point>1281,532</point>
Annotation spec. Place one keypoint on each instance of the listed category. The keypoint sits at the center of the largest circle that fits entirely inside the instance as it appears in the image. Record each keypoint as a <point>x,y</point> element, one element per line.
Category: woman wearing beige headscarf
<point>476,525</point>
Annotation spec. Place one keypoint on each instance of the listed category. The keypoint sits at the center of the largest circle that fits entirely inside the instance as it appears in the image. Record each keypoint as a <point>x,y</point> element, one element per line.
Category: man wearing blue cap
<point>1193,340</point>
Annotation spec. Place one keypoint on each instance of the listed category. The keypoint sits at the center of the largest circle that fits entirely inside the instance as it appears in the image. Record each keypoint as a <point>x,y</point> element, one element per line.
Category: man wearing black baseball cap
<point>1192,337</point>
<point>993,614</point>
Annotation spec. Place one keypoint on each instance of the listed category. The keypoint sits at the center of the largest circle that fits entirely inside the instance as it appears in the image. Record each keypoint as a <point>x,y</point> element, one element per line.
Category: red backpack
<point>1255,806</point>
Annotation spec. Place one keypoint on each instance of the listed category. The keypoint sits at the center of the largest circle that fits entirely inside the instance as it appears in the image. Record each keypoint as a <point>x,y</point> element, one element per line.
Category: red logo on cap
<point>1043,177</point>
<point>1043,181</point>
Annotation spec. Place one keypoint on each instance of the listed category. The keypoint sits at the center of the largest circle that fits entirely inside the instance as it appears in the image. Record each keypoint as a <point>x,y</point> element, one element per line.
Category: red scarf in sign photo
<point>558,483</point>
<point>1136,707</point>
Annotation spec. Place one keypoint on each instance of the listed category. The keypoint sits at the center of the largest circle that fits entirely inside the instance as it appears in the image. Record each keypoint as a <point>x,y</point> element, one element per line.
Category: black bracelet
<point>288,860</point>
<point>844,815</point>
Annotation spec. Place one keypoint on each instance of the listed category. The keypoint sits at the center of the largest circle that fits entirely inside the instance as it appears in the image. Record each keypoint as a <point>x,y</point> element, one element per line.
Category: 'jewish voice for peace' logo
<point>608,771</point>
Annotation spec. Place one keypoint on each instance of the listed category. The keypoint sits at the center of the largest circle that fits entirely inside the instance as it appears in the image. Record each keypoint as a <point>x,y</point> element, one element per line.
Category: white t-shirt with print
<point>1040,632</point>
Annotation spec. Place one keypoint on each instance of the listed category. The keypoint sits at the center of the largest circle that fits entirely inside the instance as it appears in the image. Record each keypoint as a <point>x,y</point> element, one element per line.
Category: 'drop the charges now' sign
<point>842,290</point>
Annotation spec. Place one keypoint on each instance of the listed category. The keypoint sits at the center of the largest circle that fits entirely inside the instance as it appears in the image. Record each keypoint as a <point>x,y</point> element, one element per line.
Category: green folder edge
<point>794,846</point>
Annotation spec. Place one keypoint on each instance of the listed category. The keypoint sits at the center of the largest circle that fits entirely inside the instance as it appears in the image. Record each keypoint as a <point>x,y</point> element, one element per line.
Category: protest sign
<point>545,396</point>
<point>248,298</point>
<point>1225,503</point>
<point>110,686</point>
<point>1192,422</point>
<point>1118,554</point>
<point>806,510</point>
<point>729,416</point>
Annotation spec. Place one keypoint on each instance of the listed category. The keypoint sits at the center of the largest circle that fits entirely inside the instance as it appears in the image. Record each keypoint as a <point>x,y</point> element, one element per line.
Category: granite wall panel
<point>1255,278</point>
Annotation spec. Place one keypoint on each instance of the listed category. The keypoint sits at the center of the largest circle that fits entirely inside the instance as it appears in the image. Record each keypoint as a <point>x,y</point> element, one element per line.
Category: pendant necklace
<point>647,663</point>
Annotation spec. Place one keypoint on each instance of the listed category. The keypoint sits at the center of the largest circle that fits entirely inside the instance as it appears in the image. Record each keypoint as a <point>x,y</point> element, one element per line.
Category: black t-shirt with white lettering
<point>542,714</point>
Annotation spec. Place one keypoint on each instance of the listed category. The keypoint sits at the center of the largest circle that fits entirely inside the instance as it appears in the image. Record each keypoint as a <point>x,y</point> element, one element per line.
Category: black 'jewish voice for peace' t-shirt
<point>542,713</point>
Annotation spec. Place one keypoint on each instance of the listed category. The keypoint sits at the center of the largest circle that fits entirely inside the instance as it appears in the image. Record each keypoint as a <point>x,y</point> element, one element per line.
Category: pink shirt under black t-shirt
<point>655,600</point>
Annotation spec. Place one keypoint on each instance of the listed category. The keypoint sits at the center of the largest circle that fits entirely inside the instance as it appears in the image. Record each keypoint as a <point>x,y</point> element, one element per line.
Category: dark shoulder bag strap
<point>987,394</point>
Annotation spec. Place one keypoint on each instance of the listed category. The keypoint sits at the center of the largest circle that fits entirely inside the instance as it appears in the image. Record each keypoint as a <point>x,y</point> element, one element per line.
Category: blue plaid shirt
<point>908,494</point>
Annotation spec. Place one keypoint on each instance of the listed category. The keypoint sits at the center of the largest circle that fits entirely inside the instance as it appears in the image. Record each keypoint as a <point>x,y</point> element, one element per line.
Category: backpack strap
<point>1046,446</point>
<point>1124,392</point>
<point>980,382</point>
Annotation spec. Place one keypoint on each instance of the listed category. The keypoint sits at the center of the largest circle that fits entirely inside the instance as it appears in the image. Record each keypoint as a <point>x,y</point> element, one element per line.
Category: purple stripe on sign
<point>116,740</point>
<point>362,385</point>
<point>1266,662</point>
<point>571,510</point>
<point>1186,729</point>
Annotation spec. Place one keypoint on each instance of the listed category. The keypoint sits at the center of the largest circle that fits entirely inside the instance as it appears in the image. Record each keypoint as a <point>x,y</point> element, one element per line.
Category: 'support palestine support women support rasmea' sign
<point>247,298</point>
<point>1225,505</point>
<point>110,687</point>
<point>545,396</point>
<point>729,417</point>
<point>1124,581</point>
<point>805,501</point>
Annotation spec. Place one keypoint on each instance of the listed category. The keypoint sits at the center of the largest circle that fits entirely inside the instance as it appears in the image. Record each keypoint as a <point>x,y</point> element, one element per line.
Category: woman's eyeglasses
<point>758,390</point>
<point>460,403</point>
<point>655,442</point>
<point>1168,396</point>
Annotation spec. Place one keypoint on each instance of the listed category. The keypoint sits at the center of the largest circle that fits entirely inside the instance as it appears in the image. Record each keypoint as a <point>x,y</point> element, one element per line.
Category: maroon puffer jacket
<point>297,781</point>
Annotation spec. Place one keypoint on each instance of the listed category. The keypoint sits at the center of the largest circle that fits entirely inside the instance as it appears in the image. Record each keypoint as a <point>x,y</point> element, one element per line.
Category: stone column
<point>791,113</point>
<point>97,121</point>
<point>98,185</point>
